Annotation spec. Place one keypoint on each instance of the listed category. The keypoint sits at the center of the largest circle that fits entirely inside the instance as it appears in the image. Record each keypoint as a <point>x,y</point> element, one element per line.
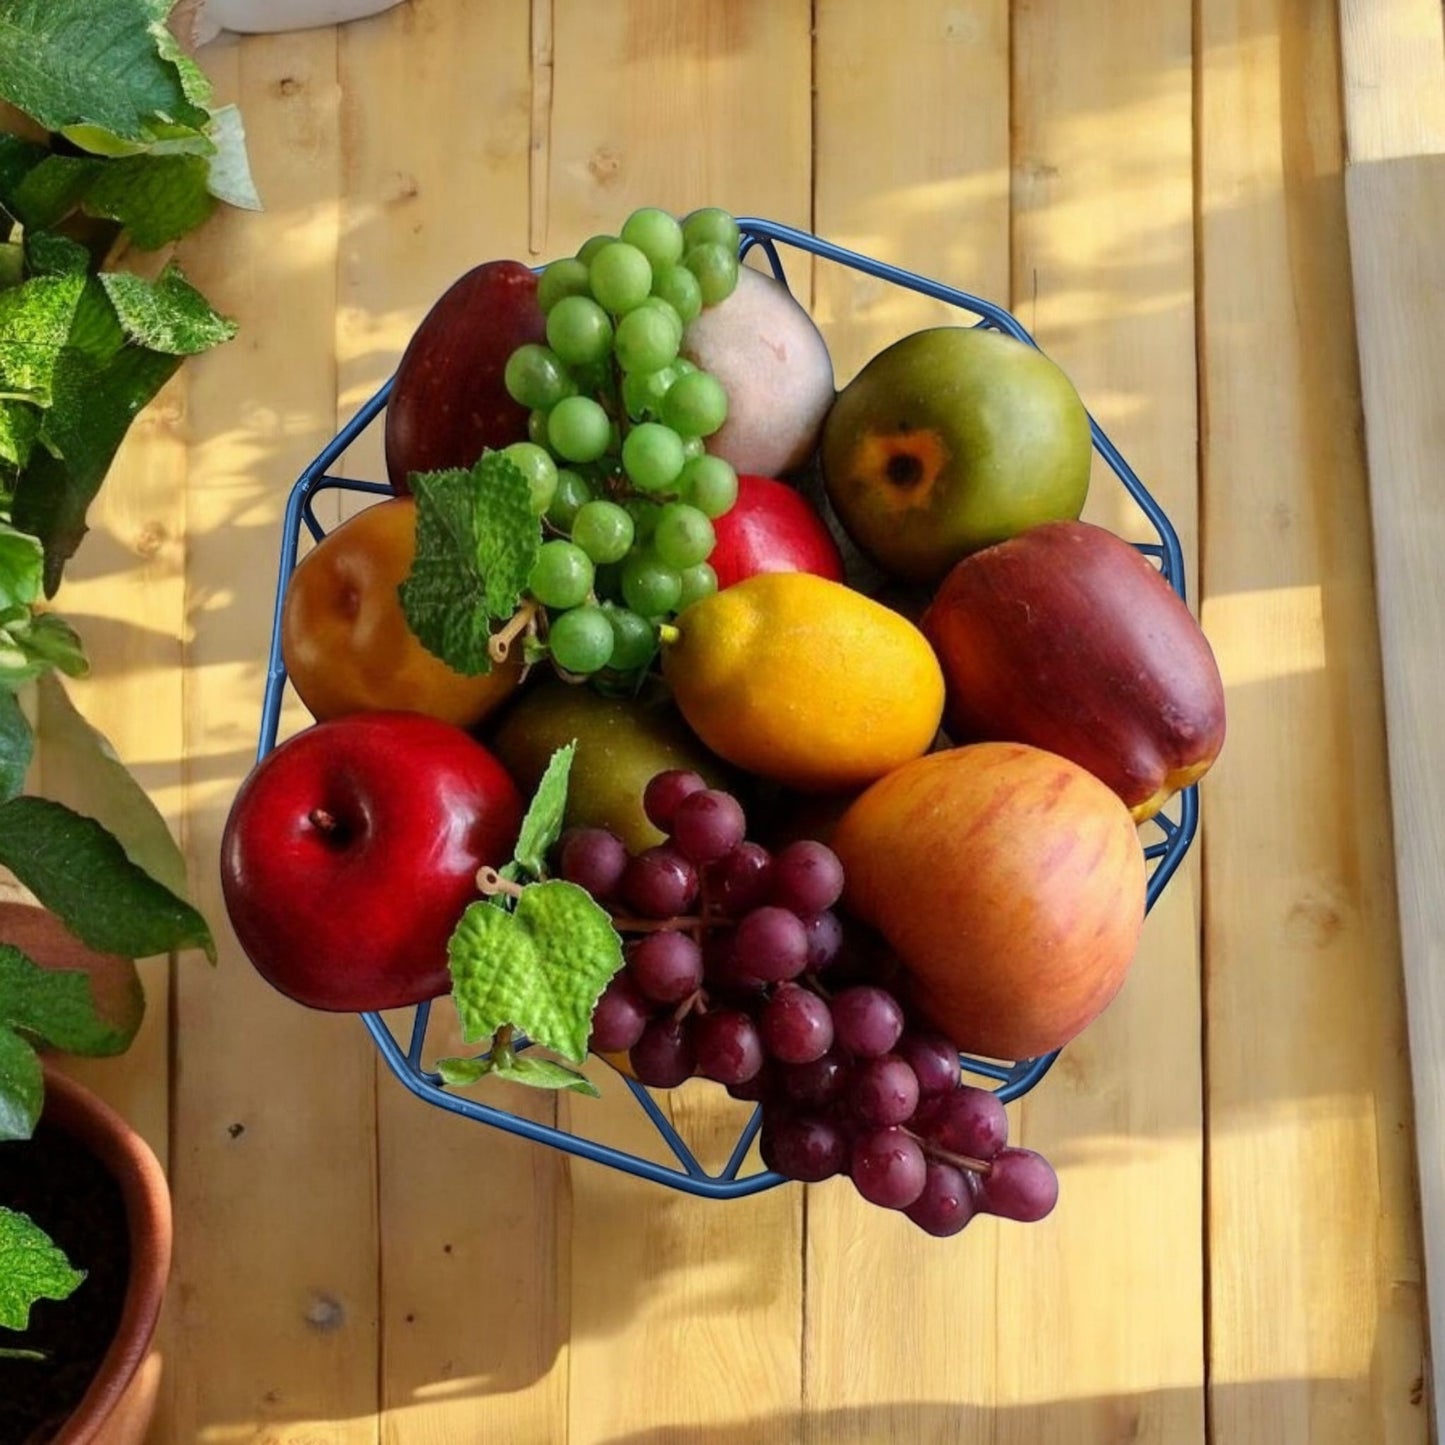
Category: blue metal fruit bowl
<point>1173,830</point>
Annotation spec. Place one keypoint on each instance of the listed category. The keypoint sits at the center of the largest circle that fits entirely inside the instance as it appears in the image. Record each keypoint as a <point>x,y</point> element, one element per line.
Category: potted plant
<point>98,179</point>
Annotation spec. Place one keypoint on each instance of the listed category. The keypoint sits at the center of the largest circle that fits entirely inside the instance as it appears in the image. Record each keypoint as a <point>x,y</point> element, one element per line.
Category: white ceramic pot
<point>253,17</point>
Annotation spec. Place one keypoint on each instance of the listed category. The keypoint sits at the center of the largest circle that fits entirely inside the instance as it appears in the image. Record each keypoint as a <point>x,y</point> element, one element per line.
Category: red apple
<point>449,400</point>
<point>772,528</point>
<point>352,850</point>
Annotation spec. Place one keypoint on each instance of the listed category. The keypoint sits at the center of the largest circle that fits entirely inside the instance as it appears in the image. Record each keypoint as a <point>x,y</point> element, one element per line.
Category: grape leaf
<point>17,746</point>
<point>542,824</point>
<point>517,1069</point>
<point>81,873</point>
<point>31,1268</point>
<point>58,1006</point>
<point>540,968</point>
<point>168,314</point>
<point>22,1086</point>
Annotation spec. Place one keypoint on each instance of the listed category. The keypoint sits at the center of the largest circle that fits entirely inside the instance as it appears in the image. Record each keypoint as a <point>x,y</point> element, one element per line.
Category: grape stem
<point>667,634</point>
<point>623,923</point>
<point>499,645</point>
<point>947,1156</point>
<point>490,883</point>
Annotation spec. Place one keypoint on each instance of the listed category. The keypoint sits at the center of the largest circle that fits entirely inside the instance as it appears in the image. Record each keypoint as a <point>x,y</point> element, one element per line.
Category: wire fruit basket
<point>403,1051</point>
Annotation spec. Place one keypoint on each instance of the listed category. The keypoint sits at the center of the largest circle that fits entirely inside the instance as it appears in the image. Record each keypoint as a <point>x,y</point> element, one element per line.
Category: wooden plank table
<point>1158,191</point>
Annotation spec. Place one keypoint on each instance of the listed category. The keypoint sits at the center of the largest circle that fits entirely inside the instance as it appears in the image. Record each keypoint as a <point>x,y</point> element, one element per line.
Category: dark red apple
<point>772,528</point>
<point>352,850</point>
<point>449,401</point>
<point>1067,638</point>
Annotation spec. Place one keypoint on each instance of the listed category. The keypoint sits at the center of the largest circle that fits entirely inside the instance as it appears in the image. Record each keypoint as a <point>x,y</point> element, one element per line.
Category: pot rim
<point>129,1160</point>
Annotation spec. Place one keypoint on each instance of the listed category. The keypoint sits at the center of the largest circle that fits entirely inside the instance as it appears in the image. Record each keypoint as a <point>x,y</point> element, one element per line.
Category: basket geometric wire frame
<point>1176,826</point>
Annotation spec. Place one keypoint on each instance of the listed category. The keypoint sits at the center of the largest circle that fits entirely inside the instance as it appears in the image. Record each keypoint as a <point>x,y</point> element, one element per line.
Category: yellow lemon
<point>805,681</point>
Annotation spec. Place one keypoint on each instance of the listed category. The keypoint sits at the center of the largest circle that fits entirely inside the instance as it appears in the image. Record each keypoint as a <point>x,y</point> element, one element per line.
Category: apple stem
<point>321,820</point>
<point>947,1156</point>
<point>499,645</point>
<point>490,883</point>
<point>502,1044</point>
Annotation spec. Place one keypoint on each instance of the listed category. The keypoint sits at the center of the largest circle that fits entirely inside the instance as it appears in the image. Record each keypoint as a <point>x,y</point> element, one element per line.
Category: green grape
<point>683,367</point>
<point>684,536</point>
<point>581,640</point>
<point>696,404</point>
<point>634,640</point>
<point>621,277</point>
<point>710,224</point>
<point>716,269</point>
<point>693,447</point>
<point>666,308</point>
<point>536,464</point>
<point>572,493</point>
<point>678,287</point>
<point>649,585</point>
<point>578,430</point>
<point>561,576</point>
<point>709,484</point>
<point>642,391</point>
<point>567,277</point>
<point>652,455</point>
<point>579,331</point>
<point>537,427</point>
<point>698,581</point>
<point>644,513</point>
<point>646,340</point>
<point>656,234</point>
<point>603,530</point>
<point>590,247</point>
<point>536,377</point>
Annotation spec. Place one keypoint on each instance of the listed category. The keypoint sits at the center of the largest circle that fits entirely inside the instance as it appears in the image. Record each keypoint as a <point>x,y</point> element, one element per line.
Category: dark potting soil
<point>71,1197</point>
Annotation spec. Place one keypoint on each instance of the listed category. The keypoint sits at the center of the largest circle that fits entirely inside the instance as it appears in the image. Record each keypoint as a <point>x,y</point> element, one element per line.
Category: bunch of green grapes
<point>617,460</point>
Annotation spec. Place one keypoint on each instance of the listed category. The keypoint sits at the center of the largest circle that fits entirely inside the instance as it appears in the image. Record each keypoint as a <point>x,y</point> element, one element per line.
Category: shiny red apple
<point>772,528</point>
<point>352,850</point>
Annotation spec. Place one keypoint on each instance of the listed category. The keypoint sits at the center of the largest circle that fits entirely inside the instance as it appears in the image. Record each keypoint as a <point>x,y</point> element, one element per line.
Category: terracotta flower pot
<point>118,1407</point>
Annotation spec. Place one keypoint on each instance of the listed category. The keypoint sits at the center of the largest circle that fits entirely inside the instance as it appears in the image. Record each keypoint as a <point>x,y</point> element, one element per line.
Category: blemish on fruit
<point>324,1312</point>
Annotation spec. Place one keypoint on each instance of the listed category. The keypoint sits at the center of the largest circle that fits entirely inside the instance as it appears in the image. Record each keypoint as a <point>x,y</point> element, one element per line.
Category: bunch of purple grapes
<point>731,963</point>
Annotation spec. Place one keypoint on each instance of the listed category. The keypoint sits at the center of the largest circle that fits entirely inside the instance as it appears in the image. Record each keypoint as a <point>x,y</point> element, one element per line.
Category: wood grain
<point>1308,1098</point>
<point>1394,77</point>
<point>1395,207</point>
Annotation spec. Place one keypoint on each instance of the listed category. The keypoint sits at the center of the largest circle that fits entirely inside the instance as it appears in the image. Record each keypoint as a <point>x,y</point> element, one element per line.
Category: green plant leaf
<point>81,873</point>
<point>157,198</point>
<point>35,320</point>
<point>31,1269</point>
<point>229,178</point>
<point>6,1353</point>
<point>18,157</point>
<point>17,746</point>
<point>22,564</point>
<point>12,264</point>
<point>540,968</point>
<point>22,1086</point>
<point>53,189</point>
<point>58,1006</point>
<point>167,315</point>
<point>70,64</point>
<point>517,1069</point>
<point>542,825</point>
<point>83,772</point>
<point>19,427</point>
<point>50,255</point>
<point>35,642</point>
<point>508,534</point>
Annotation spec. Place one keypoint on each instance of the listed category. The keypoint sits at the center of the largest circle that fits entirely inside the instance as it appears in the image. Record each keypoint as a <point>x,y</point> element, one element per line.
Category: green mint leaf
<point>83,772</point>
<point>22,564</point>
<point>229,177</point>
<point>53,189</point>
<point>507,531</point>
<point>59,1006</point>
<point>18,157</point>
<point>31,1269</point>
<point>73,63</point>
<point>81,873</point>
<point>458,1073</point>
<point>168,314</point>
<point>35,320</point>
<point>546,1074</point>
<point>194,82</point>
<point>45,640</point>
<point>47,254</point>
<point>157,198</point>
<point>17,746</point>
<point>540,968</point>
<point>93,407</point>
<point>22,1086</point>
<point>542,825</point>
<point>19,427</point>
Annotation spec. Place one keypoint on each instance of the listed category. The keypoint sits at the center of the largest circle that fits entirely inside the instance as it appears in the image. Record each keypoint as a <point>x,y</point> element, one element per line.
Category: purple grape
<point>1019,1185</point>
<point>660,798</point>
<point>805,1147</point>
<point>825,938</point>
<point>888,1167</point>
<point>867,1021</point>
<point>739,883</point>
<point>726,1046</point>
<point>796,1025</point>
<point>708,825</point>
<point>968,1121</point>
<point>883,1091</point>
<point>659,883</point>
<point>934,1059</point>
<point>666,967</point>
<point>594,859</point>
<point>761,1087</point>
<point>663,1058</point>
<point>807,877</point>
<point>619,1018</point>
<point>947,1203</point>
<point>817,1084</point>
<point>772,944</point>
